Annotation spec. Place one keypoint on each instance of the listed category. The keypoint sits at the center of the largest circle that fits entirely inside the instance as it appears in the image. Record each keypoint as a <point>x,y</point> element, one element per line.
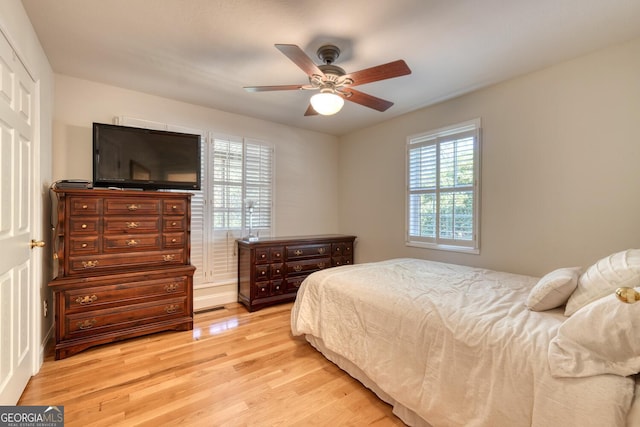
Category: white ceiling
<point>204,51</point>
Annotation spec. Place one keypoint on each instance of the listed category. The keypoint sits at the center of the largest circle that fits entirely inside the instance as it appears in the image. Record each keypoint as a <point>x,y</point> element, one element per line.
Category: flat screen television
<point>129,157</point>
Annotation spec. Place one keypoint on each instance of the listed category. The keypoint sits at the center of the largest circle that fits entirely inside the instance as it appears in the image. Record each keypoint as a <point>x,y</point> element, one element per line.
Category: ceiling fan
<point>334,84</point>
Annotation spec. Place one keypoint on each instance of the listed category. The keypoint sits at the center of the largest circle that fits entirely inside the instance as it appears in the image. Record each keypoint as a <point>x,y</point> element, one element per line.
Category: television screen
<point>129,157</point>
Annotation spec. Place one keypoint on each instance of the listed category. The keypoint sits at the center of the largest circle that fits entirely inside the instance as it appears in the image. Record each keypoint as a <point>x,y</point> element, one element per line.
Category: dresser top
<point>106,192</point>
<point>319,238</point>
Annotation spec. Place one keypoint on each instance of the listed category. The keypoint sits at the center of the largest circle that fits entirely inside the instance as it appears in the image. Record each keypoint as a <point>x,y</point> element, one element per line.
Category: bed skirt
<point>409,417</point>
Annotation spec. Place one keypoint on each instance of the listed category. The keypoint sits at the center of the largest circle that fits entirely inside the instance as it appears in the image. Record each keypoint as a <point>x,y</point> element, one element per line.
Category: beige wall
<point>306,162</point>
<point>560,168</point>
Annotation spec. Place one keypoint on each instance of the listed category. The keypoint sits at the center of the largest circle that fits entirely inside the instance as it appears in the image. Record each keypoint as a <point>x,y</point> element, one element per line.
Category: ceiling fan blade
<point>271,88</point>
<point>300,58</point>
<point>310,111</point>
<point>381,72</point>
<point>367,100</point>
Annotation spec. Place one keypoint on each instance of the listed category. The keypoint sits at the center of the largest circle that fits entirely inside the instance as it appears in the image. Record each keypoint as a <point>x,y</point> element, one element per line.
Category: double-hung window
<point>443,182</point>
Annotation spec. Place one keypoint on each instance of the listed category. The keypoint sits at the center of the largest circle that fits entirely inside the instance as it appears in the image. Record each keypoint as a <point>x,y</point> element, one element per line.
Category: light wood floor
<point>235,368</point>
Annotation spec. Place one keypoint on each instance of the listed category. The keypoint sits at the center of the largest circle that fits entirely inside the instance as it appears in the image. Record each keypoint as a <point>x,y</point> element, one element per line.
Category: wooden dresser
<point>271,270</point>
<point>122,266</point>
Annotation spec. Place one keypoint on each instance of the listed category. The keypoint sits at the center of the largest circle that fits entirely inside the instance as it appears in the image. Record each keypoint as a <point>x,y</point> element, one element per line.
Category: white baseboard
<point>204,302</point>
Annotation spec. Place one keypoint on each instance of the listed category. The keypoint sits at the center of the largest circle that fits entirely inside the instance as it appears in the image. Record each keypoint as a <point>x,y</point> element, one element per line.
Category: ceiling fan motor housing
<point>328,53</point>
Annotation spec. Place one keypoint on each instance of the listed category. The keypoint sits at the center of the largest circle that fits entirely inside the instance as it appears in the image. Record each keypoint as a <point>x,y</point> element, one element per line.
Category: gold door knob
<point>37,244</point>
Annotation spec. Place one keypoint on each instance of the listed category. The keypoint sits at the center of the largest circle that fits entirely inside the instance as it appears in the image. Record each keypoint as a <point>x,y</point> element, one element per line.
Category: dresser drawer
<point>84,206</point>
<point>268,272</point>
<point>293,283</point>
<point>270,288</point>
<point>84,244</point>
<point>173,240</point>
<point>337,261</point>
<point>131,242</point>
<point>88,224</point>
<point>342,249</point>
<point>174,224</point>
<point>132,224</point>
<point>93,298</point>
<point>307,266</point>
<point>95,322</point>
<point>105,263</point>
<point>307,251</point>
<point>129,205</point>
<point>269,254</point>
<point>174,207</point>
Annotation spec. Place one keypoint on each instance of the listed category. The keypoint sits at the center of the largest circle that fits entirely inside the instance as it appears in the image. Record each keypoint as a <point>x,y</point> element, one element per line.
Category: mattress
<point>451,345</point>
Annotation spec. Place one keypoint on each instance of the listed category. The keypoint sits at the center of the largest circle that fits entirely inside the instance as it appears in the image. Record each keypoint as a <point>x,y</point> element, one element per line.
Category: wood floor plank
<point>234,369</point>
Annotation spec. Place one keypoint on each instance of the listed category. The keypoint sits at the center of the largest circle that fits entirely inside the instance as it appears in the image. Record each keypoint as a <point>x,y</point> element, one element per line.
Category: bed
<point>451,345</point>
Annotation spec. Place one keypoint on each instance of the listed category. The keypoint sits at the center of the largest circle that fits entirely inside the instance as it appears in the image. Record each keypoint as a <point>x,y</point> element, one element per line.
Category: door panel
<point>17,285</point>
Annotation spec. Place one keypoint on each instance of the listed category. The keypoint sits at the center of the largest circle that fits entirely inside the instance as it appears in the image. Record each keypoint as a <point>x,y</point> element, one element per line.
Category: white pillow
<point>603,277</point>
<point>553,289</point>
<point>601,338</point>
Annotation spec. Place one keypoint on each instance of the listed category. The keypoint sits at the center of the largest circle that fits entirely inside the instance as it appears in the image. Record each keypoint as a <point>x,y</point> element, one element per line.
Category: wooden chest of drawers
<point>271,270</point>
<point>123,267</point>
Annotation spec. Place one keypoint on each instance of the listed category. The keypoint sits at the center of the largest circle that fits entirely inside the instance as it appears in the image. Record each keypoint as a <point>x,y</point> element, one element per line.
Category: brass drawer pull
<point>89,264</point>
<point>171,287</point>
<point>174,207</point>
<point>298,252</point>
<point>297,267</point>
<point>170,309</point>
<point>87,324</point>
<point>132,242</point>
<point>174,240</point>
<point>174,223</point>
<point>84,245</point>
<point>83,226</point>
<point>321,251</point>
<point>133,224</point>
<point>85,207</point>
<point>168,257</point>
<point>321,264</point>
<point>133,207</point>
<point>86,299</point>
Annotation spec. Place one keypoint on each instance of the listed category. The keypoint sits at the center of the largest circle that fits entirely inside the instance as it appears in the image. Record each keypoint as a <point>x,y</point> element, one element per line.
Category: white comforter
<point>454,344</point>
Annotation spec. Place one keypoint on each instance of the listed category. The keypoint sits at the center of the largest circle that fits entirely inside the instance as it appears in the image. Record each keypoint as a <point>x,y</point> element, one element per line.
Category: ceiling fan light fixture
<point>327,103</point>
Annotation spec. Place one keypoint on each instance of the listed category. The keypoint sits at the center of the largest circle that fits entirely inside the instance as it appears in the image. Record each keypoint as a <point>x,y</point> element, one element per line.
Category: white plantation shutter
<point>199,224</point>
<point>226,184</point>
<point>443,188</point>
<point>241,170</point>
<point>258,162</point>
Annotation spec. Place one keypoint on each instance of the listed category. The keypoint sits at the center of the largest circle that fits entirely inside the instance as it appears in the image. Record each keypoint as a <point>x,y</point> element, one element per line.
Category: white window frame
<point>435,138</point>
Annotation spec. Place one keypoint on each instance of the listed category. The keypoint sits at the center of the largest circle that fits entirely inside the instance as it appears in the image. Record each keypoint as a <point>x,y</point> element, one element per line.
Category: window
<point>443,196</point>
<point>238,171</point>
<point>234,171</point>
